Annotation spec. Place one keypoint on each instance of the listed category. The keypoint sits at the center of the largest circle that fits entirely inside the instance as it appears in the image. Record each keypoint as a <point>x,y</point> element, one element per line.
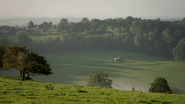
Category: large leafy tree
<point>160,85</point>
<point>99,79</point>
<point>179,50</point>
<point>24,63</point>
<point>20,58</point>
<point>63,25</point>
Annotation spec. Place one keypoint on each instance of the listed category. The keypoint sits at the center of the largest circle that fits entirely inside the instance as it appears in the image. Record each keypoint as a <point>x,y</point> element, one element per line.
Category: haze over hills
<point>25,21</point>
<point>55,20</point>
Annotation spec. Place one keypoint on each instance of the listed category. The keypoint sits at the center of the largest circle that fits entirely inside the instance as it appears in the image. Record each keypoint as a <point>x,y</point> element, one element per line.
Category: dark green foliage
<point>46,25</point>
<point>23,38</point>
<point>4,41</point>
<point>41,67</point>
<point>154,37</point>
<point>25,61</point>
<point>30,24</point>
<point>99,79</point>
<point>179,50</point>
<point>2,52</point>
<point>160,85</point>
<point>63,25</point>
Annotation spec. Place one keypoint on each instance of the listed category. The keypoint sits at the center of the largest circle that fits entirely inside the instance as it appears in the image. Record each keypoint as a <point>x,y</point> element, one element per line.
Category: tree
<point>63,25</point>
<point>23,38</point>
<point>64,21</point>
<point>41,66</point>
<point>20,58</point>
<point>99,79</point>
<point>2,52</point>
<point>179,50</point>
<point>31,24</point>
<point>85,20</point>
<point>24,63</point>
<point>160,85</point>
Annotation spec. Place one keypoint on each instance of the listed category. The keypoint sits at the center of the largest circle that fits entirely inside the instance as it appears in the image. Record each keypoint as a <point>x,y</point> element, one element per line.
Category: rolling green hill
<point>12,90</point>
<point>138,71</point>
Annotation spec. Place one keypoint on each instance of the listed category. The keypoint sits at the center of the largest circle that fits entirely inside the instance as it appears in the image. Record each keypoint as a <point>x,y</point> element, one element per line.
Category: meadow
<point>67,84</point>
<point>14,91</point>
<point>139,70</point>
<point>36,38</point>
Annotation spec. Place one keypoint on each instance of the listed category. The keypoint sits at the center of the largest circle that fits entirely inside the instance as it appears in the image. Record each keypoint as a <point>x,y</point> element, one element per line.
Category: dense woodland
<point>153,37</point>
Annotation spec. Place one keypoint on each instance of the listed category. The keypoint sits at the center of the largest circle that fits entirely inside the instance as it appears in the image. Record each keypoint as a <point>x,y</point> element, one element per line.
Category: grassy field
<point>12,90</point>
<point>138,71</point>
<point>36,39</point>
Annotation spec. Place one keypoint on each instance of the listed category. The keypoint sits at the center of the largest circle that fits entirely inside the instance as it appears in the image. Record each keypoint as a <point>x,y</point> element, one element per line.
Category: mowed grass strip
<point>12,90</point>
<point>138,71</point>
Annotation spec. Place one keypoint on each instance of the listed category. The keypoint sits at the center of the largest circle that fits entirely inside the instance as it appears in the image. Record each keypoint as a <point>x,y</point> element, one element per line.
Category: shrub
<point>160,85</point>
<point>99,79</point>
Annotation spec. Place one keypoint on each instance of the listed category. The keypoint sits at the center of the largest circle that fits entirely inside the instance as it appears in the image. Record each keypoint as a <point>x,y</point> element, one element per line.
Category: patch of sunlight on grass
<point>94,67</point>
<point>101,60</point>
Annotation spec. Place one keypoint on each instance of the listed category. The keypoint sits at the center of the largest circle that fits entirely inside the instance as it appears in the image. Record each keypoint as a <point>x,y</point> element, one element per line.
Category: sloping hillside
<point>12,90</point>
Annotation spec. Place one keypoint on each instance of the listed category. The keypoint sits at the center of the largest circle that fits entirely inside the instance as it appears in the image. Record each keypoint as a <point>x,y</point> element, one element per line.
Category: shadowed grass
<point>138,70</point>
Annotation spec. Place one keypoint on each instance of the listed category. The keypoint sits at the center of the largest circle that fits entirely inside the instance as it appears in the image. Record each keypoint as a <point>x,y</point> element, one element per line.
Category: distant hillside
<point>172,19</point>
<point>24,21</point>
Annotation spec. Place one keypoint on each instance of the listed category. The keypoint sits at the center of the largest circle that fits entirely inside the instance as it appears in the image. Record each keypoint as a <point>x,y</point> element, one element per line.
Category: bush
<point>99,79</point>
<point>160,85</point>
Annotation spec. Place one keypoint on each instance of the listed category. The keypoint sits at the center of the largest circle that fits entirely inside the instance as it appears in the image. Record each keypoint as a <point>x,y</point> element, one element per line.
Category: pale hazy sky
<point>93,8</point>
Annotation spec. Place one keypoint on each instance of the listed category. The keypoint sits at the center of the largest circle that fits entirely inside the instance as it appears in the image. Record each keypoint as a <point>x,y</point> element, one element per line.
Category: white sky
<point>93,8</point>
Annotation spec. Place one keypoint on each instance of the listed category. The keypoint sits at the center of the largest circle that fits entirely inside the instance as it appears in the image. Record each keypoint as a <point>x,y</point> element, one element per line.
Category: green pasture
<point>14,91</point>
<point>49,32</point>
<point>52,31</point>
<point>38,38</point>
<point>138,71</point>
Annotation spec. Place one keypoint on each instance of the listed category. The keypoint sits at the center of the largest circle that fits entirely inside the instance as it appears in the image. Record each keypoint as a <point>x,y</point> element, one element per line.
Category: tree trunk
<point>20,73</point>
<point>23,75</point>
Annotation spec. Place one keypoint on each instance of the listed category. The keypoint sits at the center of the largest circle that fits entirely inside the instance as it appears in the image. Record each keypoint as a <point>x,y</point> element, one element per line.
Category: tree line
<point>153,37</point>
